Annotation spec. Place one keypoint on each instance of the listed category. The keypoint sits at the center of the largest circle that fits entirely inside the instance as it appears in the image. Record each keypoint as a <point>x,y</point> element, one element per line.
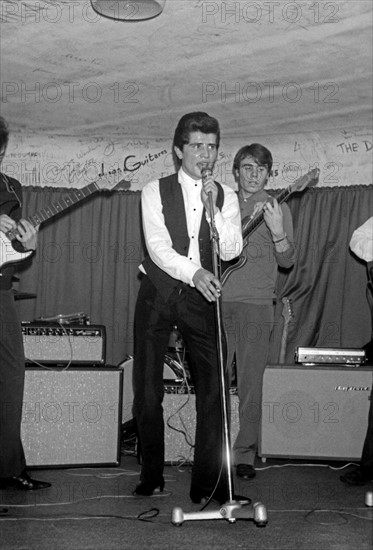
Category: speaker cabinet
<point>72,417</point>
<point>315,411</point>
<point>180,423</point>
<point>171,371</point>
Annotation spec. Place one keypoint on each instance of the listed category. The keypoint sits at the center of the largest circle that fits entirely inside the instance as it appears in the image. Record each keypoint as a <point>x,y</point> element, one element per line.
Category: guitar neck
<point>251,225</point>
<point>283,344</point>
<point>62,204</point>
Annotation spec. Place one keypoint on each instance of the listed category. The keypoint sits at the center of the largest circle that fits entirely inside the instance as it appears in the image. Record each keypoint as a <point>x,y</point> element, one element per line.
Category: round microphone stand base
<point>231,512</point>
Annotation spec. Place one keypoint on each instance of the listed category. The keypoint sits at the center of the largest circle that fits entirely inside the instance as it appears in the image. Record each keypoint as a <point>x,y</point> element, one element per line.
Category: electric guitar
<point>8,254</point>
<point>288,315</point>
<point>249,225</point>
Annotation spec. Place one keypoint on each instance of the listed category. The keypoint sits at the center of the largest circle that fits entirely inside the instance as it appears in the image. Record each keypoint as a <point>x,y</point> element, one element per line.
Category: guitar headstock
<point>287,310</point>
<point>308,180</point>
<point>110,179</point>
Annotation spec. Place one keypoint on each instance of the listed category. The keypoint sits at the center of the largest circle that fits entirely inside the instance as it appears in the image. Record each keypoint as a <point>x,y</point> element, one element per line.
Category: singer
<point>179,288</point>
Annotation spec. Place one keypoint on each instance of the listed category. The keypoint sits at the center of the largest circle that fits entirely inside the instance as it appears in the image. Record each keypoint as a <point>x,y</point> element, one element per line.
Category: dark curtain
<point>88,257</point>
<point>327,286</point>
<point>87,261</point>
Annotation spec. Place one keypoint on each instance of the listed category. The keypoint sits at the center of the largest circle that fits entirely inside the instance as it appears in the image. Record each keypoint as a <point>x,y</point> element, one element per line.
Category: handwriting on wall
<point>355,147</point>
<point>343,157</point>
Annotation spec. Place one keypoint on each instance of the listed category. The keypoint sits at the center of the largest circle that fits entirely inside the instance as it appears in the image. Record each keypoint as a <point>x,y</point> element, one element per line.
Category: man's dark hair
<point>195,122</point>
<point>4,133</point>
<point>261,154</point>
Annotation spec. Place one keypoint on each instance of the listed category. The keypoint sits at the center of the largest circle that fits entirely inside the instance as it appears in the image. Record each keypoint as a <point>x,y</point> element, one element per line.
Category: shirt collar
<point>256,197</point>
<point>187,181</point>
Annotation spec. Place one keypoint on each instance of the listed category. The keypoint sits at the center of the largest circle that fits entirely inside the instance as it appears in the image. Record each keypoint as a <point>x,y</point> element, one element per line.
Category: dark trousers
<point>12,377</point>
<point>195,319</point>
<point>366,463</point>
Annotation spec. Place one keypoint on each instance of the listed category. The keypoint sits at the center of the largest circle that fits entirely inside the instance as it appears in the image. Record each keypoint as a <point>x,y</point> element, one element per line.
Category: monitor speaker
<point>316,412</point>
<point>71,417</point>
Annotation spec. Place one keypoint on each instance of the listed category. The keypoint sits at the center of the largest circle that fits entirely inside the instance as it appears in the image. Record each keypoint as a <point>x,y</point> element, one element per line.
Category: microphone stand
<point>232,509</point>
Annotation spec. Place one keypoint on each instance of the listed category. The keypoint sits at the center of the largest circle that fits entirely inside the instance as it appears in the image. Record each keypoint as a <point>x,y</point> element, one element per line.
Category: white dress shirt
<point>362,241</point>
<point>157,237</point>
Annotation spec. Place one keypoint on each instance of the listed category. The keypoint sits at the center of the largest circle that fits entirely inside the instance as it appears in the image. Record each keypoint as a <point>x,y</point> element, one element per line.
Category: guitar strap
<point>11,188</point>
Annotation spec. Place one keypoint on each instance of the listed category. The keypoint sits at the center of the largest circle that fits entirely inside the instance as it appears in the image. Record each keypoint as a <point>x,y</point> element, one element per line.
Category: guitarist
<point>249,293</point>
<point>12,362</point>
<point>361,244</point>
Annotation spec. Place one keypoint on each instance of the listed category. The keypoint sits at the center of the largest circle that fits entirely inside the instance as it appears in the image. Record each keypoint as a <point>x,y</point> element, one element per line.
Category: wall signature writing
<point>131,165</point>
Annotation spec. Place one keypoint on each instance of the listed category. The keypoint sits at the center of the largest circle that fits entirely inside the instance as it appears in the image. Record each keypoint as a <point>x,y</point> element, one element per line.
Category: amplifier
<point>330,355</point>
<point>315,412</point>
<point>52,343</point>
<point>172,374</point>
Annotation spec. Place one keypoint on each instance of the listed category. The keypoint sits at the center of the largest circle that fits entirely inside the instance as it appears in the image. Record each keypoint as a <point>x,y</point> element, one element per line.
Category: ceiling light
<point>128,10</point>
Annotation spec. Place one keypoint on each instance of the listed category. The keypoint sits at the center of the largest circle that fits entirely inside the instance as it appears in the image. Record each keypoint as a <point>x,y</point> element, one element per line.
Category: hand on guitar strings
<point>7,224</point>
<point>26,234</point>
<point>274,218</point>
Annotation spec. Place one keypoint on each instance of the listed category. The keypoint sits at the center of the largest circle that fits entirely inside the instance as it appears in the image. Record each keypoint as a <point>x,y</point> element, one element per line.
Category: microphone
<point>206,171</point>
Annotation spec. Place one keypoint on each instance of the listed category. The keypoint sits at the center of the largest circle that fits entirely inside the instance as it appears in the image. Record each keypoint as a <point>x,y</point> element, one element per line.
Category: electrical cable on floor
<point>180,461</point>
<point>79,501</point>
<point>118,473</point>
<point>307,465</point>
<point>340,512</point>
<point>184,432</point>
<point>155,512</point>
<point>152,513</point>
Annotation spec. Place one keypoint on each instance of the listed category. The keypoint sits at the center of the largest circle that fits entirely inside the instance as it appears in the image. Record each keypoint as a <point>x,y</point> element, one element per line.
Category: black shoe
<point>24,482</point>
<point>246,471</point>
<point>355,477</point>
<point>147,488</point>
<point>199,496</point>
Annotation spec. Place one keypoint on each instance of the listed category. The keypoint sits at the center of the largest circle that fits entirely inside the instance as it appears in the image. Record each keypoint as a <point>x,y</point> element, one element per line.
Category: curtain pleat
<point>327,286</point>
<point>87,261</point>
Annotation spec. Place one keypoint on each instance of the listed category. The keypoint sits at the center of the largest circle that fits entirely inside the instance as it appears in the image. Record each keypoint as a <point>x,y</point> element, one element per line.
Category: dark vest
<point>176,223</point>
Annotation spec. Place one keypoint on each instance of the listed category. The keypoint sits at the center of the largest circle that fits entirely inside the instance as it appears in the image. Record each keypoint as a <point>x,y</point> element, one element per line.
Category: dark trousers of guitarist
<point>12,376</point>
<point>12,361</point>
